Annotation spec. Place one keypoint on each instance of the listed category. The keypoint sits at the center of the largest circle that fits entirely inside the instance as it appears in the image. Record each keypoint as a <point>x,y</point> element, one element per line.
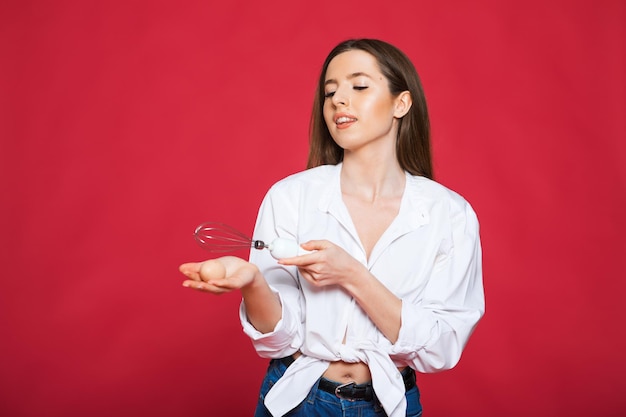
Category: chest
<point>371,219</point>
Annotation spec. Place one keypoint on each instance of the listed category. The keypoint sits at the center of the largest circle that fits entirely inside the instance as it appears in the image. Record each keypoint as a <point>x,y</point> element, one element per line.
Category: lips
<point>343,120</point>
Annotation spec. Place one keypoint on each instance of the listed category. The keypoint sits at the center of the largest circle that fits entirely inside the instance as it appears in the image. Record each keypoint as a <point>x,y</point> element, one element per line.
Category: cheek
<point>381,109</point>
<point>328,115</point>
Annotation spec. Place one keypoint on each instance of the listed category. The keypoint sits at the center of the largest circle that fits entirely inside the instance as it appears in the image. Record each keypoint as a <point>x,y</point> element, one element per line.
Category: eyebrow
<point>353,75</point>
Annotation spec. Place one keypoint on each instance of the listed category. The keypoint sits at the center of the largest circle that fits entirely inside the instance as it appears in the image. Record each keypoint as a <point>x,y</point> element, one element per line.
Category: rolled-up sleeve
<point>287,336</point>
<point>436,328</point>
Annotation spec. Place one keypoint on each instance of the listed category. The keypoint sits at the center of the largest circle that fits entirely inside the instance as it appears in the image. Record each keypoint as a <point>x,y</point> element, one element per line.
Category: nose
<point>341,98</point>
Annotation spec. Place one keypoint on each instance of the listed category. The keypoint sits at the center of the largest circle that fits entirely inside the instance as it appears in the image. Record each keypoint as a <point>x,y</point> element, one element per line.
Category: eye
<point>329,94</point>
<point>360,87</point>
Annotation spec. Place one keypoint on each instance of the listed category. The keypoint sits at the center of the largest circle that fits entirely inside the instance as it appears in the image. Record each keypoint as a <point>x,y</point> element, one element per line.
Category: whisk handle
<point>286,248</point>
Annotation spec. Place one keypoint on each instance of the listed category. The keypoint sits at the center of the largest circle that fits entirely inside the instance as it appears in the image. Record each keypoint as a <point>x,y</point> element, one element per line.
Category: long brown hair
<point>413,143</point>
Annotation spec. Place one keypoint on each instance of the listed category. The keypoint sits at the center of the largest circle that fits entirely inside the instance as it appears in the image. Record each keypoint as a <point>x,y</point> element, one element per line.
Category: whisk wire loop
<point>219,237</point>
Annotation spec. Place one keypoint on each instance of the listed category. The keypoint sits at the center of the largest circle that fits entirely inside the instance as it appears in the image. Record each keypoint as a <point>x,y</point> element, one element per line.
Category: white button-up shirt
<point>429,257</point>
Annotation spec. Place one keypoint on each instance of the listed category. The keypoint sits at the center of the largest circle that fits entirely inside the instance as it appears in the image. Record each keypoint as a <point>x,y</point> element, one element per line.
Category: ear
<point>403,104</point>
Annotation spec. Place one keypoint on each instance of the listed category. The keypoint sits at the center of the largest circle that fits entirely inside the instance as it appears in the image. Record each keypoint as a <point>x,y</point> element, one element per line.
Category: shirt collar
<point>413,208</point>
<point>332,195</point>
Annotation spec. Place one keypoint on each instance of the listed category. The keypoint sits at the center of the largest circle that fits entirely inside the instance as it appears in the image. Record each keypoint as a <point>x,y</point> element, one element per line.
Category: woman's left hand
<point>328,264</point>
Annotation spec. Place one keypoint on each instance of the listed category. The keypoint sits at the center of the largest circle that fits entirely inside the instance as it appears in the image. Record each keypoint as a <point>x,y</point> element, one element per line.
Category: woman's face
<point>359,110</point>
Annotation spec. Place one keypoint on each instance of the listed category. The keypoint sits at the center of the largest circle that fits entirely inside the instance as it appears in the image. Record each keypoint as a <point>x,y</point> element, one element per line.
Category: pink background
<point>125,124</point>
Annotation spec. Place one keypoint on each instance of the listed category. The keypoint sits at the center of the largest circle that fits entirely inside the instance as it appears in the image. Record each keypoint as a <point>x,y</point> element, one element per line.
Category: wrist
<point>355,277</point>
<point>256,283</point>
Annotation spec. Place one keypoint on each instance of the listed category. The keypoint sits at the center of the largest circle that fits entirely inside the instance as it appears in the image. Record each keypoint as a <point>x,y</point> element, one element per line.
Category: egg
<point>212,270</point>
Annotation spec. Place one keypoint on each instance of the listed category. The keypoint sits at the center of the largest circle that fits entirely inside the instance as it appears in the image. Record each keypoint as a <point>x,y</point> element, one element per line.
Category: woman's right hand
<point>220,275</point>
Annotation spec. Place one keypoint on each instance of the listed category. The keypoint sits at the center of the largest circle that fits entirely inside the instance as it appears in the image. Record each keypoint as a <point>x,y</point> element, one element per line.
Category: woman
<point>393,282</point>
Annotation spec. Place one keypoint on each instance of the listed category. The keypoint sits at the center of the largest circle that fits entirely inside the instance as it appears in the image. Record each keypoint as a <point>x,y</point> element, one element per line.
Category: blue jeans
<point>324,404</point>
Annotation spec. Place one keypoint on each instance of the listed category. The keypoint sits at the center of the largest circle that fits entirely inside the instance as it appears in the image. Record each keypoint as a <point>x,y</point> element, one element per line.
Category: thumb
<point>312,245</point>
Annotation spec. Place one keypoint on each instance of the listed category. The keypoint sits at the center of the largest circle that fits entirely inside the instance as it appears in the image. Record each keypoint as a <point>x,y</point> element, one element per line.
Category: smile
<point>344,119</point>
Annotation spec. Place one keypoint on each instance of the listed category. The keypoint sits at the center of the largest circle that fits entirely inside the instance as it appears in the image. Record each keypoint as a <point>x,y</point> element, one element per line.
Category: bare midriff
<point>345,372</point>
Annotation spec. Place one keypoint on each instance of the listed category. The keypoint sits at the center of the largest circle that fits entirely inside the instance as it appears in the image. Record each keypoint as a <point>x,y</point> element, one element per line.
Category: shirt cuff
<point>282,341</point>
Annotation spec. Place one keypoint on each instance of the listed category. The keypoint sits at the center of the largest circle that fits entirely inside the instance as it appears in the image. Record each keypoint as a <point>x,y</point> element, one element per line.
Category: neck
<point>373,179</point>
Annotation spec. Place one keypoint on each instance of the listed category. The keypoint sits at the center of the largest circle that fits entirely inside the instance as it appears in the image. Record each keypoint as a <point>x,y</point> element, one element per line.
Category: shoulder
<point>434,190</point>
<point>311,178</point>
<point>437,195</point>
<point>302,189</point>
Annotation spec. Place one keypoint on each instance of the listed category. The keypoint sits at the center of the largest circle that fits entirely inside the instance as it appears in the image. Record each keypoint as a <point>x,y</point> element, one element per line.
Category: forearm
<point>380,304</point>
<point>262,304</point>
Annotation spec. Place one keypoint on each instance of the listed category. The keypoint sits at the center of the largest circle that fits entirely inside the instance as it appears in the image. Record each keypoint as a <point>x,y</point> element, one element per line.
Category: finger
<point>316,245</point>
<point>191,270</point>
<point>233,282</point>
<point>193,284</point>
<point>204,287</point>
<point>190,267</point>
<point>301,260</point>
<point>311,278</point>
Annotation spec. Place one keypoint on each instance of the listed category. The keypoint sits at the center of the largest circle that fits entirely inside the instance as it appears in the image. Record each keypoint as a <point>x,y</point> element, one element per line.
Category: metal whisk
<point>218,237</point>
